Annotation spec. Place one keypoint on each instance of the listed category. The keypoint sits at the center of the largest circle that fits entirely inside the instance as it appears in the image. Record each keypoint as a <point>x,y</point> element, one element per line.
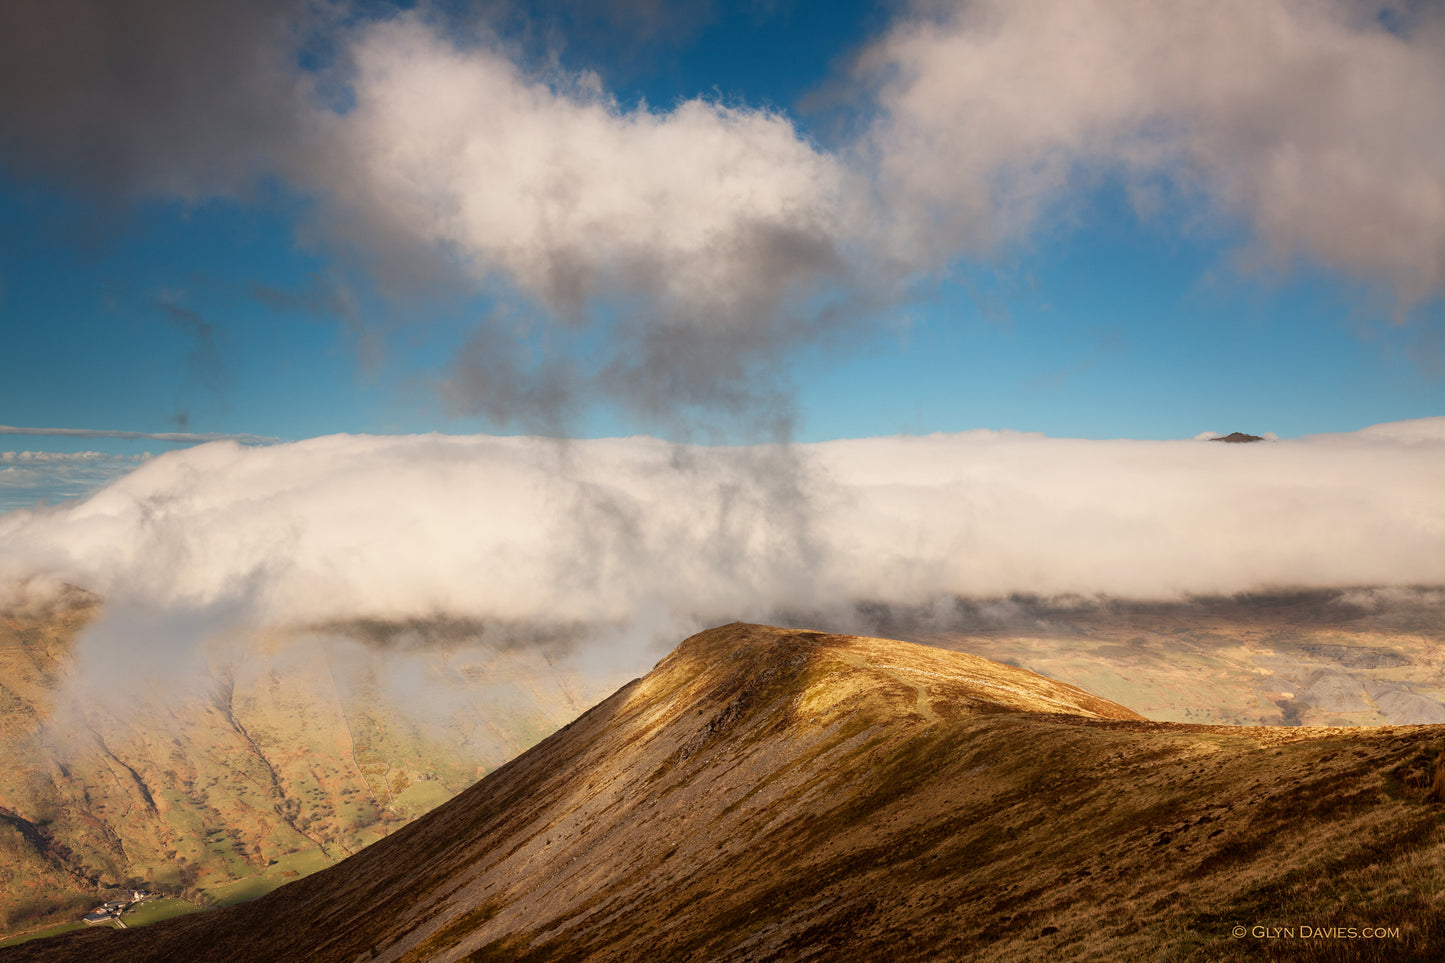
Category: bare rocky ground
<point>774,794</point>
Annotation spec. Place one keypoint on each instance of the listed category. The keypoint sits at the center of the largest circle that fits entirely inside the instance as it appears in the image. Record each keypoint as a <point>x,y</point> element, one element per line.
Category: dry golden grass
<point>218,778</point>
<point>766,794</point>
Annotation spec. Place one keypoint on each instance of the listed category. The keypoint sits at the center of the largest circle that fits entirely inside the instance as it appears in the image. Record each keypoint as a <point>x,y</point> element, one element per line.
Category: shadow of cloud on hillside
<point>1350,609</point>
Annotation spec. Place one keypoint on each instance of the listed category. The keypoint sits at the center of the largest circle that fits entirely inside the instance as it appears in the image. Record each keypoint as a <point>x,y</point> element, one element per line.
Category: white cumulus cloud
<point>671,260</point>
<point>1309,120</point>
<point>684,245</point>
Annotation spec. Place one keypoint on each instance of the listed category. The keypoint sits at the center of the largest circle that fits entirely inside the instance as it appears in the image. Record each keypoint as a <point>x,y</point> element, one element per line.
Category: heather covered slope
<point>769,794</point>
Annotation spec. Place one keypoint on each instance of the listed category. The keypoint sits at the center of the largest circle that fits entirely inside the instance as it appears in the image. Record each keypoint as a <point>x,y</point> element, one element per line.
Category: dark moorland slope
<point>774,794</point>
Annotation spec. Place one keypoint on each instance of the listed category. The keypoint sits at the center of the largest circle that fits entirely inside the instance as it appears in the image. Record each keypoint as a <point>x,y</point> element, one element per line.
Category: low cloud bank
<point>638,541</point>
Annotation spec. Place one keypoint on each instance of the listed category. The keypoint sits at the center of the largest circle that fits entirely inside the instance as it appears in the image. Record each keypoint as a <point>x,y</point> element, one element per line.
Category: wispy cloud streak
<point>180,437</point>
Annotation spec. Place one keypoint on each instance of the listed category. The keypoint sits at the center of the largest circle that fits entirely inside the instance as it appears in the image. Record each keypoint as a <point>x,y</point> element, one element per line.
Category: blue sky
<point>978,224</point>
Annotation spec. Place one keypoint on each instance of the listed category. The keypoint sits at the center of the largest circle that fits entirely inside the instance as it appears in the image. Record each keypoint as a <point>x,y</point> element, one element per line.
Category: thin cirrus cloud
<point>671,259</point>
<point>183,437</point>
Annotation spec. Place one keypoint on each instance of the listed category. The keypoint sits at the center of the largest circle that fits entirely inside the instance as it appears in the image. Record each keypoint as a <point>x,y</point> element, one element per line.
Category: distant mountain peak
<point>1238,437</point>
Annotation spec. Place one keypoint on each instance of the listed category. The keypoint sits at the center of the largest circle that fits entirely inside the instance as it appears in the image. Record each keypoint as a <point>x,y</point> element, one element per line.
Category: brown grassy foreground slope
<point>771,794</point>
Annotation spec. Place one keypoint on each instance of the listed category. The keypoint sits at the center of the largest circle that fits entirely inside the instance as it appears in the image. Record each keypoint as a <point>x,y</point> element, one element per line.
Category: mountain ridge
<point>781,794</point>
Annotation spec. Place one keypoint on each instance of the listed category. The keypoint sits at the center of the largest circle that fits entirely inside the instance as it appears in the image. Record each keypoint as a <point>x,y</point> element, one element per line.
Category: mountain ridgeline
<point>774,794</point>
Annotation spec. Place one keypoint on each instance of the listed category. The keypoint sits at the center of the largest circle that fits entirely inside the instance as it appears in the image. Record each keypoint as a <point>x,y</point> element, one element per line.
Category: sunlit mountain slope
<point>773,794</point>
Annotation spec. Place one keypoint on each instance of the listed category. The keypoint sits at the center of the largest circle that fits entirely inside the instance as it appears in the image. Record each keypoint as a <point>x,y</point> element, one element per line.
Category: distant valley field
<point>1326,658</point>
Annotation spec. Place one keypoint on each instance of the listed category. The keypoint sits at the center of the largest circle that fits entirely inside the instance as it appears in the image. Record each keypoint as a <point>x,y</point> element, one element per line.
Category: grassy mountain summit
<point>774,794</point>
